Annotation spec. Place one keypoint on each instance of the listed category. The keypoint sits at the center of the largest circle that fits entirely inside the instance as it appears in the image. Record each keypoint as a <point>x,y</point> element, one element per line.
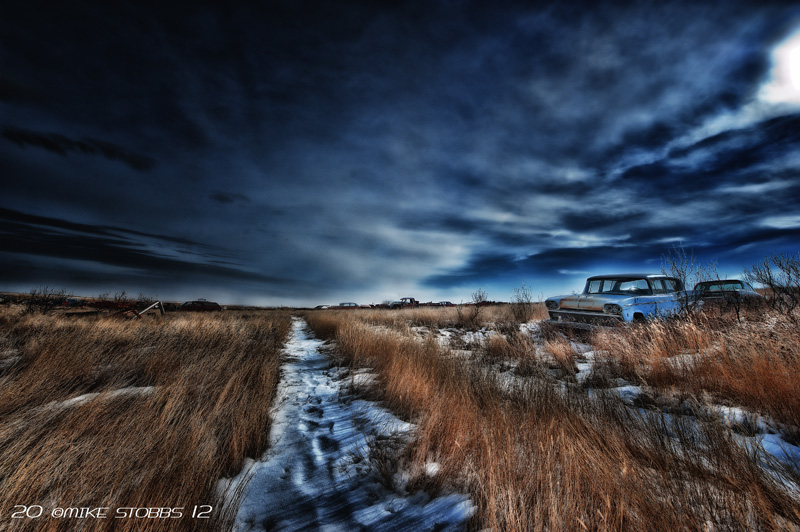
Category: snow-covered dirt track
<point>316,475</point>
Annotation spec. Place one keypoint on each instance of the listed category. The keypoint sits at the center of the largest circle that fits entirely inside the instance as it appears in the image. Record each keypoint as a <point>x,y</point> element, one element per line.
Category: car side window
<point>670,285</point>
<point>638,284</point>
<point>658,286</point>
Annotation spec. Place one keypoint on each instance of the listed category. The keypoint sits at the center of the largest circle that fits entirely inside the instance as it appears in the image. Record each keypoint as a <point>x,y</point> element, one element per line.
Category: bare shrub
<point>44,299</point>
<point>779,273</point>
<point>469,316</point>
<point>522,304</point>
<point>689,271</point>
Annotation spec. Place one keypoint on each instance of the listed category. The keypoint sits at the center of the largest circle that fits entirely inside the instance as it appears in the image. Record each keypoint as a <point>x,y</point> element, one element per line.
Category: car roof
<point>632,275</point>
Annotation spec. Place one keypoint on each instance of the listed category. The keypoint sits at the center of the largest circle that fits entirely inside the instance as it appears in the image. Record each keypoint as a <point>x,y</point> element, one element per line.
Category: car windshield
<point>720,286</point>
<point>620,285</point>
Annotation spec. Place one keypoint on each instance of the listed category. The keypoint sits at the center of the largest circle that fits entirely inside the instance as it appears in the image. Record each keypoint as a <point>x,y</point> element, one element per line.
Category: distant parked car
<point>724,291</point>
<point>405,302</point>
<point>610,299</point>
<point>201,305</point>
<point>347,305</point>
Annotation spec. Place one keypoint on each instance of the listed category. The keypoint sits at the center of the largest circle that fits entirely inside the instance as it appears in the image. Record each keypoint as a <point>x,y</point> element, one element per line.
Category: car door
<point>646,303</point>
<point>671,300</point>
<point>664,298</point>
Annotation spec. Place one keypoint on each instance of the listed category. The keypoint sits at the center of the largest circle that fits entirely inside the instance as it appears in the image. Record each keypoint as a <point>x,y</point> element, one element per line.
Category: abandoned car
<point>725,291</point>
<point>200,305</point>
<point>405,302</point>
<point>613,299</point>
<point>347,305</point>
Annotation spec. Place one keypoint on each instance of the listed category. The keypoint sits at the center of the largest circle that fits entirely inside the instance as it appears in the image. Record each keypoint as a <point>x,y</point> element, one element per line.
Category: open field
<point>682,424</point>
<point>104,412</point>
<point>616,429</point>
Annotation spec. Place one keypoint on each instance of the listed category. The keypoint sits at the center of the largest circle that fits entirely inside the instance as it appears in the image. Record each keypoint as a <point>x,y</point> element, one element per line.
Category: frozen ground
<point>317,474</point>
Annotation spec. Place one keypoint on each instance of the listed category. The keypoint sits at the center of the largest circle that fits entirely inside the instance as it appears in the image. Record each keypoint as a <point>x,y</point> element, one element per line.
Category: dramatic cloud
<point>306,152</point>
<point>62,146</point>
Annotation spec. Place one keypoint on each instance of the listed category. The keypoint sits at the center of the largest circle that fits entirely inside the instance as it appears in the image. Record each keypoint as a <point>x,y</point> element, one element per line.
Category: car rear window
<point>624,285</point>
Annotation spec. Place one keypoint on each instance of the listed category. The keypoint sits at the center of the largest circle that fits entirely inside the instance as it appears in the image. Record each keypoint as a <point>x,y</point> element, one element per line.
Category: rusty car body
<point>619,298</point>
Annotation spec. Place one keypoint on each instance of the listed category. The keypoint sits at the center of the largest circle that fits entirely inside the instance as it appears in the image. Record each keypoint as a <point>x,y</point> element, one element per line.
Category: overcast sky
<point>316,152</point>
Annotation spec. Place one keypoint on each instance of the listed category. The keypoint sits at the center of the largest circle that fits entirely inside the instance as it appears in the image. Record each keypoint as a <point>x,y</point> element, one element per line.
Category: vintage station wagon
<point>610,299</point>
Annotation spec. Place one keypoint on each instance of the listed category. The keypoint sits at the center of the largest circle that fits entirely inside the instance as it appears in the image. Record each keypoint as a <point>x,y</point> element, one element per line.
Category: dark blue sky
<point>315,152</point>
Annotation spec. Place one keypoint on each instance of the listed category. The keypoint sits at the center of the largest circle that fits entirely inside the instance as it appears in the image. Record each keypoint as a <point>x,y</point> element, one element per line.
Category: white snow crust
<point>316,474</point>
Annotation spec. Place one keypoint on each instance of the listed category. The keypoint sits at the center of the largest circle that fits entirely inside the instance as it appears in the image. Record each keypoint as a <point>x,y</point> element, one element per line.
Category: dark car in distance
<point>200,305</point>
<point>725,291</point>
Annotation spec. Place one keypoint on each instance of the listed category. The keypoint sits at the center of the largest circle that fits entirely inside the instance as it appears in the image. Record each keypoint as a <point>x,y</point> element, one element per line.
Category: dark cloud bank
<point>301,152</point>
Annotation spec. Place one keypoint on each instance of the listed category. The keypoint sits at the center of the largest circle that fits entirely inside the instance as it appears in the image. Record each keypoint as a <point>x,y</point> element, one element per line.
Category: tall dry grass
<point>751,364</point>
<point>500,316</point>
<point>101,412</point>
<point>534,456</point>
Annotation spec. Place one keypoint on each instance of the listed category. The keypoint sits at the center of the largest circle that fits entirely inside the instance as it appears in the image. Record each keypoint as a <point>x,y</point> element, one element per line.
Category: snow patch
<point>319,471</point>
<point>129,391</point>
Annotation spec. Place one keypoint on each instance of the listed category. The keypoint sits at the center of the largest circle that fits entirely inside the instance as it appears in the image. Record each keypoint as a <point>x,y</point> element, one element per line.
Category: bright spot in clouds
<point>784,84</point>
<point>782,222</point>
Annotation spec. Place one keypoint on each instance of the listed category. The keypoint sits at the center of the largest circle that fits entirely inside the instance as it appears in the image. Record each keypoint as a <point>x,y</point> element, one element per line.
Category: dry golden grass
<point>751,364</point>
<point>178,402</point>
<point>492,316</point>
<point>534,456</point>
<point>563,353</point>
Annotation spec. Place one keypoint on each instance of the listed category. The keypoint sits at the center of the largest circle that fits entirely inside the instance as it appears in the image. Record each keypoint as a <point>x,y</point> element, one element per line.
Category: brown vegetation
<point>491,316</point>
<point>752,364</point>
<point>103,412</point>
<point>538,456</point>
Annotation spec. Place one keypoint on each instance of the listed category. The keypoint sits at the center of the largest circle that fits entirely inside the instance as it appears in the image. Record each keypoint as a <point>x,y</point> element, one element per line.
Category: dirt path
<point>315,475</point>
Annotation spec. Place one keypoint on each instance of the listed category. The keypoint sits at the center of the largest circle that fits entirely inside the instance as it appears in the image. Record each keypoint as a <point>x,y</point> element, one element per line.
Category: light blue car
<point>614,299</point>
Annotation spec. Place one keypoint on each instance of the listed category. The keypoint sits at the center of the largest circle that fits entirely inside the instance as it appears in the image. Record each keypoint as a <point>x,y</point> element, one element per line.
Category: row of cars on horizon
<point>404,302</point>
<point>632,297</point>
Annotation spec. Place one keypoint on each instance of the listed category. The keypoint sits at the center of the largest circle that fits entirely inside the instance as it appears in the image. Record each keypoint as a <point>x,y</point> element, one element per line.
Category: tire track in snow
<point>314,476</point>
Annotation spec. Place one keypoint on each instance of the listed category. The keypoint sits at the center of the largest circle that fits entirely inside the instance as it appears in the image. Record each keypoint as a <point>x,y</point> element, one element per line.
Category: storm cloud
<point>62,145</point>
<point>305,152</point>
